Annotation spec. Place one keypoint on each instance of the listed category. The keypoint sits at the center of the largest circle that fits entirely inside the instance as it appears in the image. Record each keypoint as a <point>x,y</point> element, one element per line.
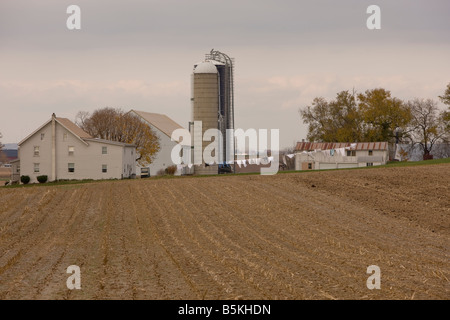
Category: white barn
<point>330,155</point>
<point>163,126</point>
<point>63,151</point>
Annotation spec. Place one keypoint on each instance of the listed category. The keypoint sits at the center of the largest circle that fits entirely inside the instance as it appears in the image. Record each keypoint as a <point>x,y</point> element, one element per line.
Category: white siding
<point>323,166</point>
<point>129,162</point>
<point>28,159</point>
<point>347,165</point>
<point>89,161</point>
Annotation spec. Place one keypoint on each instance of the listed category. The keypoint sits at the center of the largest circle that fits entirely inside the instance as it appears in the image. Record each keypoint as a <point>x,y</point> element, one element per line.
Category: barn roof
<point>159,121</point>
<point>311,146</point>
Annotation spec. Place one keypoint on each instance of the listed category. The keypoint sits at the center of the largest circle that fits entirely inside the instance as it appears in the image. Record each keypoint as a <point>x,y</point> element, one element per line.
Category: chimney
<point>53,147</point>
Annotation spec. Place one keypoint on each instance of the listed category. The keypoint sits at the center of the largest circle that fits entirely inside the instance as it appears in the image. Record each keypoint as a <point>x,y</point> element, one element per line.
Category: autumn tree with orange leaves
<point>116,125</point>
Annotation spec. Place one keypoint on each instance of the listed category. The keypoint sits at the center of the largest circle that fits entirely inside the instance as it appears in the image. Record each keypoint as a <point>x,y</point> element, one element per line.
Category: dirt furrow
<point>178,283</point>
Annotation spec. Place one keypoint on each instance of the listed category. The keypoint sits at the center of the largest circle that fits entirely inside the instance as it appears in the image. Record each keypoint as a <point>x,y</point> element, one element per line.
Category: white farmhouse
<point>329,155</point>
<point>61,150</point>
<point>163,126</point>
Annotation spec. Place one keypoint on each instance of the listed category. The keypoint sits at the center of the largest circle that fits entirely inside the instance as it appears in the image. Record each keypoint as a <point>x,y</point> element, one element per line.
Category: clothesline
<point>240,163</point>
<point>332,152</point>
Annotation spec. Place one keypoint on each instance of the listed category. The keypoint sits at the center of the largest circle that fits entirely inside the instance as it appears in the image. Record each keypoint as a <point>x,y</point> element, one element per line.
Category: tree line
<point>376,115</point>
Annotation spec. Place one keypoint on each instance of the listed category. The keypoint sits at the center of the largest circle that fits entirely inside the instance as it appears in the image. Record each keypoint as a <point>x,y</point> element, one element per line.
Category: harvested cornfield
<point>290,236</point>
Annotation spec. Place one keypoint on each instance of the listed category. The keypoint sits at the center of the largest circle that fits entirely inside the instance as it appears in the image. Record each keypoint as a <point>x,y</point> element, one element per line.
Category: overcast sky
<point>140,54</point>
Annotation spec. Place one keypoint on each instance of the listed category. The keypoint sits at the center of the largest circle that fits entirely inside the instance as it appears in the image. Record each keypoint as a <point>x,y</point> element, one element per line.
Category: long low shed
<point>339,155</point>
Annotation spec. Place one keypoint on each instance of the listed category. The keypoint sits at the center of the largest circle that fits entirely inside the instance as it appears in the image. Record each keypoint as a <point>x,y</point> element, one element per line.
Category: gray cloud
<point>41,24</point>
<point>140,54</point>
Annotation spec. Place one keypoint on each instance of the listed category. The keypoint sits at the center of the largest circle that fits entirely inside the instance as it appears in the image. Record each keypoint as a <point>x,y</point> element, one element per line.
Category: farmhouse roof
<point>310,146</point>
<point>72,127</point>
<point>66,123</point>
<point>159,121</point>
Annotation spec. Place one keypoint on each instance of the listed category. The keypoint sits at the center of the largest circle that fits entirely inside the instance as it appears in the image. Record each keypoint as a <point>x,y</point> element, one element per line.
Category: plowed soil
<point>290,236</point>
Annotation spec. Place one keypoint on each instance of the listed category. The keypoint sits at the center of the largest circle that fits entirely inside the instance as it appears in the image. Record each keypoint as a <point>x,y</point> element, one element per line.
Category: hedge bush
<point>171,170</point>
<point>25,179</point>
<point>42,179</point>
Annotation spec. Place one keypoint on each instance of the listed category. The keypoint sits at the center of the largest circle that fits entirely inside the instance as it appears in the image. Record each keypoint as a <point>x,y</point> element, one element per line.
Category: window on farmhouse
<point>309,166</point>
<point>369,164</point>
<point>36,151</point>
<point>351,153</point>
<point>71,167</point>
<point>370,152</point>
<point>36,168</point>
<point>65,136</point>
<point>71,151</point>
<point>42,136</point>
<point>104,150</point>
<point>104,168</point>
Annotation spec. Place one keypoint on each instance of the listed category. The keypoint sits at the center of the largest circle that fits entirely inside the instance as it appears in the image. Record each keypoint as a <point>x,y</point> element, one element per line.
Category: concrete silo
<point>205,108</point>
<point>213,104</point>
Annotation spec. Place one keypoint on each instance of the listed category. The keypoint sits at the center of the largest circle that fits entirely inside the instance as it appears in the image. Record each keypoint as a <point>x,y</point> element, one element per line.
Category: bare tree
<point>116,125</point>
<point>428,126</point>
